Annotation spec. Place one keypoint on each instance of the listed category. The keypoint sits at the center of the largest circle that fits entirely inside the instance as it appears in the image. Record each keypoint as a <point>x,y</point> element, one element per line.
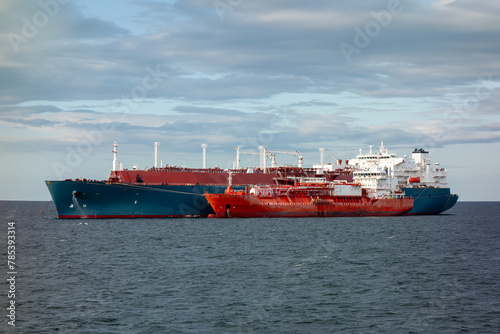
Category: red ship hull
<point>243,205</point>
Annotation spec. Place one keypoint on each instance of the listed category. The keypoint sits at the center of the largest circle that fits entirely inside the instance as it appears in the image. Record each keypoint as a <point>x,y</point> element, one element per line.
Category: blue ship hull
<point>430,201</point>
<point>101,199</point>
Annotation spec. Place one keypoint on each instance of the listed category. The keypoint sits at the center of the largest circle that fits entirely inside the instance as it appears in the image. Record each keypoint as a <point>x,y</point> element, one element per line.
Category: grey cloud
<point>211,111</point>
<point>258,50</point>
<point>258,54</point>
<point>314,103</point>
<point>30,122</point>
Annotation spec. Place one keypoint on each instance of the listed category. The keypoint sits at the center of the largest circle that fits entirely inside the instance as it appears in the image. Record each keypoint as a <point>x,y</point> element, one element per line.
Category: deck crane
<point>339,161</point>
<point>261,153</point>
<point>270,154</point>
<point>297,154</point>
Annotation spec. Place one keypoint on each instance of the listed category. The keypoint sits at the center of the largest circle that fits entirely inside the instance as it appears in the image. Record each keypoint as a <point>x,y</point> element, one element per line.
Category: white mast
<point>157,145</point>
<point>204,146</point>
<point>263,157</point>
<point>116,163</point>
<point>322,155</point>
<point>273,159</point>
<point>237,157</point>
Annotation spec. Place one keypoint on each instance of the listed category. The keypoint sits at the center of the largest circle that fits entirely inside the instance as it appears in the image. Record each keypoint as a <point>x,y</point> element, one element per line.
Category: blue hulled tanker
<point>179,192</point>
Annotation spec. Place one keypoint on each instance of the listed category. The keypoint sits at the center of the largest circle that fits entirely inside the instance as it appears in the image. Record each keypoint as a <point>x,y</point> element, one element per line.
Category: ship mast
<point>204,147</point>
<point>116,163</point>
<point>263,157</point>
<point>157,153</point>
<point>322,157</point>
<point>237,157</point>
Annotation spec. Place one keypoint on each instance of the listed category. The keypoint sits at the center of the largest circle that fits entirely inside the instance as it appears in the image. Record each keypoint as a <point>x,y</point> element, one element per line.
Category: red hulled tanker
<point>328,199</point>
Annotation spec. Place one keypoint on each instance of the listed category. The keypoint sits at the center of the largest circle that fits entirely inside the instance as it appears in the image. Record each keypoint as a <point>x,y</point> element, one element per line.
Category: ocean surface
<point>416,274</point>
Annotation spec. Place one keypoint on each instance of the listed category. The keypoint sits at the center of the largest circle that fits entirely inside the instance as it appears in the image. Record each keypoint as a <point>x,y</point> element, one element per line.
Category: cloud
<point>211,111</point>
<point>227,77</point>
<point>319,103</point>
<point>255,51</point>
<point>30,122</point>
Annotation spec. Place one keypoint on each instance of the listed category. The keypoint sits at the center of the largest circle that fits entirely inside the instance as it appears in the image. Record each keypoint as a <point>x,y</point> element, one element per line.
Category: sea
<point>408,274</point>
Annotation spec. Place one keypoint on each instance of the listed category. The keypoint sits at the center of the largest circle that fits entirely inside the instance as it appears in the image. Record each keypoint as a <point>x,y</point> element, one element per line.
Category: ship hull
<point>430,201</point>
<point>99,199</point>
<point>118,200</point>
<point>248,206</point>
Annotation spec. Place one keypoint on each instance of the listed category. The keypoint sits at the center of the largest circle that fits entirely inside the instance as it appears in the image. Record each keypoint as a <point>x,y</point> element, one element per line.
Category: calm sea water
<point>430,274</point>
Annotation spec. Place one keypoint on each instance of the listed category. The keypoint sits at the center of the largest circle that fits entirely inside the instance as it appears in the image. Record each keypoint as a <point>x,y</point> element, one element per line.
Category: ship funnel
<point>157,153</point>
<point>204,146</point>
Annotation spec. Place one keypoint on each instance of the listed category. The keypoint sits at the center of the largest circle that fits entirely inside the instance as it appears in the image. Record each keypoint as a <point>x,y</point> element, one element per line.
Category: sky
<point>292,75</point>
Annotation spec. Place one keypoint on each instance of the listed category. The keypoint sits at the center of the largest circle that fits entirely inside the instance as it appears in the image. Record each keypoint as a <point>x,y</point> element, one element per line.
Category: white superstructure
<point>383,170</point>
